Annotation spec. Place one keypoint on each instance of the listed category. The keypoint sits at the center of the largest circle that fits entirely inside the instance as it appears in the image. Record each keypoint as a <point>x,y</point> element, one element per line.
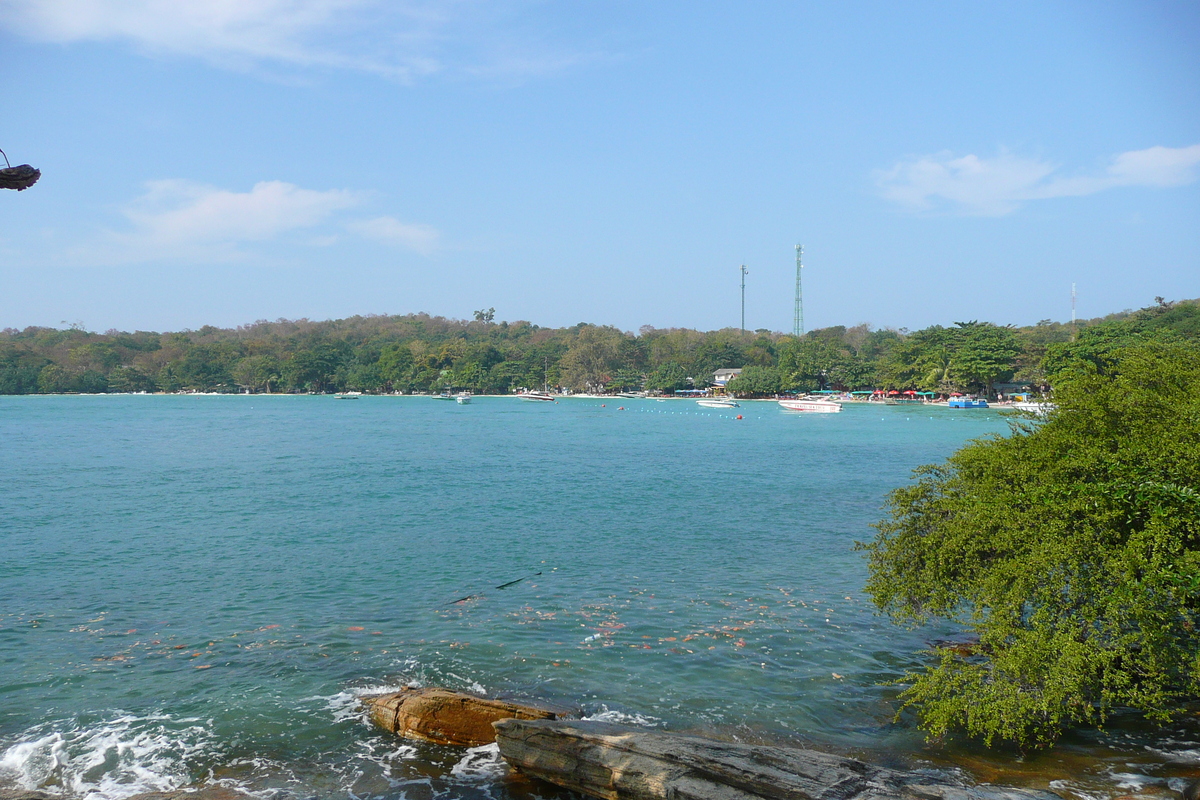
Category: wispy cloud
<point>178,219</point>
<point>999,185</point>
<point>397,39</point>
<point>182,221</point>
<point>389,230</point>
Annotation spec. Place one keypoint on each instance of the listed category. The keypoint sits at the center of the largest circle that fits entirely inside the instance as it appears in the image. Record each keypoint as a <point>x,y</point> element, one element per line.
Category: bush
<point>1071,548</point>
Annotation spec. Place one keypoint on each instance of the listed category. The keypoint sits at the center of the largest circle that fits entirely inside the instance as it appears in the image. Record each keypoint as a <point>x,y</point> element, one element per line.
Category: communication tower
<point>798,323</point>
<point>744,273</point>
<point>1074,329</point>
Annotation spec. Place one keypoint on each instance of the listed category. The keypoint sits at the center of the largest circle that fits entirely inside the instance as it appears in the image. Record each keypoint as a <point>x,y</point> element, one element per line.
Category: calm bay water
<point>196,589</point>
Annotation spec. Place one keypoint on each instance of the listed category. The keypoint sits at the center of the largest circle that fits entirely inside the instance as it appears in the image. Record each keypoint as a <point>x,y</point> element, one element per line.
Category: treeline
<point>421,353</point>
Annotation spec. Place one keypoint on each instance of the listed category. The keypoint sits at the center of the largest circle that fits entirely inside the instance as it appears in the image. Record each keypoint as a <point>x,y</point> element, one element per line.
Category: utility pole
<point>1074,330</point>
<point>798,322</point>
<point>744,271</point>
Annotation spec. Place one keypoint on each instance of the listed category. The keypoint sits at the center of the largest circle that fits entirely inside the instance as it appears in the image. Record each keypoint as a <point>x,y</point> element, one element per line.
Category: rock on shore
<point>445,717</point>
<point>619,762</point>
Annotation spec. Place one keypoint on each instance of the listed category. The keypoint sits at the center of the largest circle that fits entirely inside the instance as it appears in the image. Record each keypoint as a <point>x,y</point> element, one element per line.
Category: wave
<point>112,759</point>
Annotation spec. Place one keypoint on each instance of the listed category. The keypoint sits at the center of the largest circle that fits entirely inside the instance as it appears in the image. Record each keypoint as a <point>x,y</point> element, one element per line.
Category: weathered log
<point>620,762</point>
<point>19,178</point>
<point>446,717</point>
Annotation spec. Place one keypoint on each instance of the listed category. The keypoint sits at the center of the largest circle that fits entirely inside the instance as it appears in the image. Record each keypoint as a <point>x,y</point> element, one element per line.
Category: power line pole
<point>798,323</point>
<point>1074,330</point>
<point>744,271</point>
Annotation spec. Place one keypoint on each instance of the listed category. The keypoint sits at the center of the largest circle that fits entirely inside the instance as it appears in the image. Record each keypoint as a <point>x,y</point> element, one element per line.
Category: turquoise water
<point>196,589</point>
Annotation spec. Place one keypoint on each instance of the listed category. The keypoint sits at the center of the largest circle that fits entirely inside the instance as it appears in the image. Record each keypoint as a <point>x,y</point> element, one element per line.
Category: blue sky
<point>222,161</point>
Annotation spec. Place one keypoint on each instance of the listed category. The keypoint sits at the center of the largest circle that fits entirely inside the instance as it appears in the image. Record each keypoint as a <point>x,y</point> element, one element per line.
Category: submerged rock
<point>445,717</point>
<point>620,762</point>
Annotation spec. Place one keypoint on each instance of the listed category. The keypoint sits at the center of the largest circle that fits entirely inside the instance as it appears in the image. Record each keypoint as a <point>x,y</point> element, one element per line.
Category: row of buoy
<point>622,408</point>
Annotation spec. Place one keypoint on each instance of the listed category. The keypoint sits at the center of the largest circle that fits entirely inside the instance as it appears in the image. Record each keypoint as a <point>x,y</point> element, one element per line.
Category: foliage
<point>755,381</point>
<point>1071,548</point>
<point>421,353</point>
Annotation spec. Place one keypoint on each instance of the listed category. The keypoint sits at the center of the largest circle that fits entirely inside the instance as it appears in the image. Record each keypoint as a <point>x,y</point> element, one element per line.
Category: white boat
<point>462,398</point>
<point>716,402</point>
<point>348,395</point>
<point>811,404</point>
<point>1041,409</point>
<point>537,396</point>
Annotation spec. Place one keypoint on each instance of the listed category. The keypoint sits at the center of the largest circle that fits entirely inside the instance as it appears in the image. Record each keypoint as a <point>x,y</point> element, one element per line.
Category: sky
<point>217,162</point>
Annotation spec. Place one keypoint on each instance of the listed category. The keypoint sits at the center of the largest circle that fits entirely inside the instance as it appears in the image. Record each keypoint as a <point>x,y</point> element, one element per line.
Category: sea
<point>197,590</point>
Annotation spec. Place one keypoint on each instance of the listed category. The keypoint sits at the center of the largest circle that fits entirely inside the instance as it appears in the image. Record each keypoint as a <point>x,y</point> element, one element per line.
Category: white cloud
<point>999,185</point>
<point>182,221</point>
<point>174,212</point>
<point>185,221</point>
<point>389,230</point>
<point>398,39</point>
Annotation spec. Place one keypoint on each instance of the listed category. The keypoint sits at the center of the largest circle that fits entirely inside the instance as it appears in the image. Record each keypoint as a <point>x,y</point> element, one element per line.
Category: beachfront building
<point>724,376</point>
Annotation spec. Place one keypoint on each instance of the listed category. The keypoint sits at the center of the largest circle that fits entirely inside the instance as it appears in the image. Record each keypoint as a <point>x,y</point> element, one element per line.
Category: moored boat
<point>537,396</point>
<point>817,405</point>
<point>1036,408</point>
<point>717,402</point>
<point>966,402</point>
<point>348,395</point>
<point>462,398</point>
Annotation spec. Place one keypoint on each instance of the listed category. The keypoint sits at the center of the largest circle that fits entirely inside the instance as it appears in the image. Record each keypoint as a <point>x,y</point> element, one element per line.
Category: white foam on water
<point>110,760</point>
<point>481,764</point>
<point>347,705</point>
<point>1134,780</point>
<point>606,714</point>
<point>1076,790</point>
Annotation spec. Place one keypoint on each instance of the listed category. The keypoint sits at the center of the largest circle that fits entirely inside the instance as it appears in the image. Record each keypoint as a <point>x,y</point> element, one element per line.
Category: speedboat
<point>348,395</point>
<point>818,405</point>
<point>1041,409</point>
<point>537,396</point>
<point>462,398</point>
<point>716,402</point>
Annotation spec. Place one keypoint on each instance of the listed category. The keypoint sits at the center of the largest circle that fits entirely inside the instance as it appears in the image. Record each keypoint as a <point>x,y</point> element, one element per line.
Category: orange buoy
<point>739,416</point>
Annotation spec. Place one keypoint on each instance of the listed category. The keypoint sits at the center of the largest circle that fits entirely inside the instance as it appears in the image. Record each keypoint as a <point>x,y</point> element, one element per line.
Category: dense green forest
<point>421,353</point>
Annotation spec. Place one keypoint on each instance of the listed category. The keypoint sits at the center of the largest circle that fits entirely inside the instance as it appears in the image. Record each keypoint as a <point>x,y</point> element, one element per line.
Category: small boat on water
<point>717,402</point>
<point>462,398</point>
<point>348,395</point>
<point>443,396</point>
<point>1037,408</point>
<point>966,402</point>
<point>817,405</point>
<point>540,397</point>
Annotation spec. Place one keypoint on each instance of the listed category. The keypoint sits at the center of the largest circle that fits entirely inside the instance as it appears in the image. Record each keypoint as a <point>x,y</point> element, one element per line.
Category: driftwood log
<point>19,178</point>
<point>446,717</point>
<point>619,762</point>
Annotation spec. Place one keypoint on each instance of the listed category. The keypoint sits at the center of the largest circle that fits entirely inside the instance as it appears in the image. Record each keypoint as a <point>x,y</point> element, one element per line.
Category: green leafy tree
<point>984,353</point>
<point>592,358</point>
<point>257,373</point>
<point>1071,548</point>
<point>755,381</point>
<point>668,377</point>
